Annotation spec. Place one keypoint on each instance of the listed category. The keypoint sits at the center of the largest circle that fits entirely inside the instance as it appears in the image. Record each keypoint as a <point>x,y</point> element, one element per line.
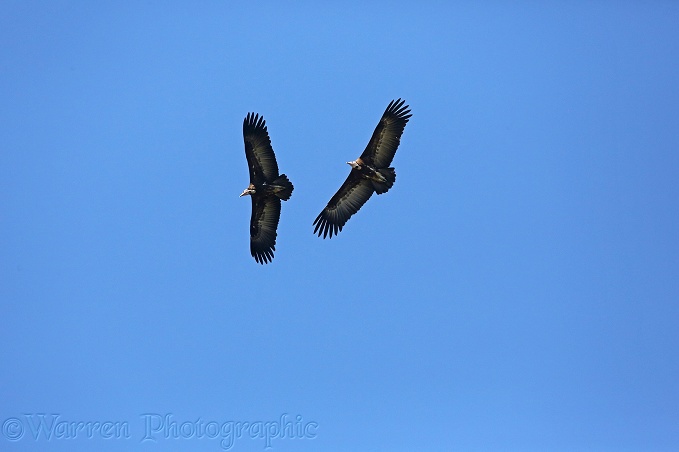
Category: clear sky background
<point>516,290</point>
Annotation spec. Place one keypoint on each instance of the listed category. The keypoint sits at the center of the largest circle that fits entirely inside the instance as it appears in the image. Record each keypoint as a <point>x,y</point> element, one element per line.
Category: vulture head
<point>356,164</point>
<point>248,191</point>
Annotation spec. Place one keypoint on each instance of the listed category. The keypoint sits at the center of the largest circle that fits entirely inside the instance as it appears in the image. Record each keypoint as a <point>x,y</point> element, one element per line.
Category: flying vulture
<point>266,188</point>
<point>369,173</point>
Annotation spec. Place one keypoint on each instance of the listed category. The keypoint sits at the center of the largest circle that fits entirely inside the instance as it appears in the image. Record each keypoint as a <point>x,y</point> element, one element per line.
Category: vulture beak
<point>245,192</point>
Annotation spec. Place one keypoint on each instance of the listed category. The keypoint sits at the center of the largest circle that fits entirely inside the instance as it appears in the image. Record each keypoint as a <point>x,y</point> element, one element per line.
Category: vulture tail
<point>382,187</point>
<point>285,185</point>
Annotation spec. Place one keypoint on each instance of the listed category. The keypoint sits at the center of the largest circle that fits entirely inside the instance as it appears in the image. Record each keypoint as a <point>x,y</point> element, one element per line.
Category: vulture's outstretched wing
<point>351,196</point>
<point>266,211</point>
<point>261,159</point>
<point>387,135</point>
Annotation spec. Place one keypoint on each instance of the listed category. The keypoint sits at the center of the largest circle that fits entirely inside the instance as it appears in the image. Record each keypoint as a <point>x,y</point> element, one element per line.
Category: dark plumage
<point>369,173</point>
<point>266,188</point>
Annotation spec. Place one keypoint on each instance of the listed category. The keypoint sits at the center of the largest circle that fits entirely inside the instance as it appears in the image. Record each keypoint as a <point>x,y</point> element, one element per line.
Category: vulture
<point>369,173</point>
<point>266,188</point>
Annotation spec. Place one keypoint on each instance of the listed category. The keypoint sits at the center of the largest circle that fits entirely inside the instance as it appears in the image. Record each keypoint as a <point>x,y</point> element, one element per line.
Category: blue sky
<point>516,290</point>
